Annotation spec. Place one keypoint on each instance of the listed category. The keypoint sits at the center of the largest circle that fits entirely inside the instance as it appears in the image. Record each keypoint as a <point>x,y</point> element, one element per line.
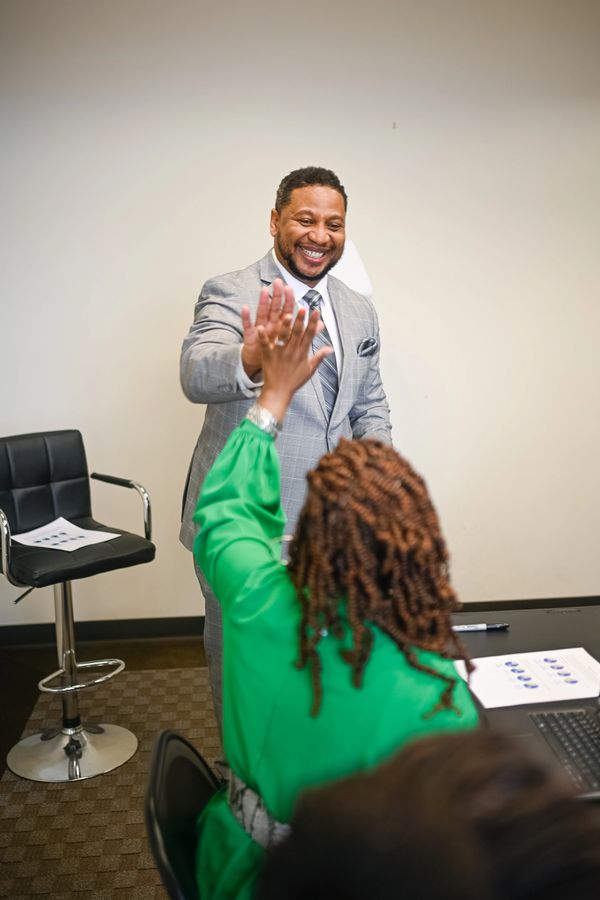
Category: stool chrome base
<point>72,754</point>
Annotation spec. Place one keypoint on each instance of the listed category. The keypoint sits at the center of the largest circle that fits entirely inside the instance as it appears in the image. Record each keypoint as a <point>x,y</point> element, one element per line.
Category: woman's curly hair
<point>368,548</point>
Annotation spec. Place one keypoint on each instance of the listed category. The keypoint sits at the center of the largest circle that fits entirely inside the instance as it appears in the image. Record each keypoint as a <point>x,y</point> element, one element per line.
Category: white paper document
<point>63,535</point>
<point>536,677</point>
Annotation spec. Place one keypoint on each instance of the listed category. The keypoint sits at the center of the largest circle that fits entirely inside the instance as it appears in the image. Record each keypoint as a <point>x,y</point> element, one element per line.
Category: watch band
<point>265,420</point>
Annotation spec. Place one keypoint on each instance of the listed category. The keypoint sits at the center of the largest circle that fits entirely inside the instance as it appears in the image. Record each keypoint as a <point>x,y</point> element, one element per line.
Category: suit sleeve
<point>370,413</point>
<point>210,355</point>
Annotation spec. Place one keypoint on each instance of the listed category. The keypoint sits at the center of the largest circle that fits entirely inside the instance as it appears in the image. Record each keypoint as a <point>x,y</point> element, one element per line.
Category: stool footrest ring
<point>44,684</point>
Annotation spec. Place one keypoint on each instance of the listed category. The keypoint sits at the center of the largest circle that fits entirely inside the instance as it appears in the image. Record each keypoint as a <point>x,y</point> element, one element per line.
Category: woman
<point>331,663</point>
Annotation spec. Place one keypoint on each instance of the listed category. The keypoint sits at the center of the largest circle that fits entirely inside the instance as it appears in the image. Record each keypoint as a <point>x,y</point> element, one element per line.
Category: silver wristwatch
<point>265,420</point>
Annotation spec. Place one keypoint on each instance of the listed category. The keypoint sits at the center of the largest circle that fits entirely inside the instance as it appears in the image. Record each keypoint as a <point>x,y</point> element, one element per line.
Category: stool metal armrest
<point>128,483</point>
<point>5,551</point>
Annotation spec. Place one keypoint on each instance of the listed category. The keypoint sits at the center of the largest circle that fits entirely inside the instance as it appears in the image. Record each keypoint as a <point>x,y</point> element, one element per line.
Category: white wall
<point>143,142</point>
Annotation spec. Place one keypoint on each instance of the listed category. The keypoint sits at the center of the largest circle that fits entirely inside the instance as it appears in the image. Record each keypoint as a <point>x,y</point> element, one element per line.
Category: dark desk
<point>534,629</point>
<point>554,628</point>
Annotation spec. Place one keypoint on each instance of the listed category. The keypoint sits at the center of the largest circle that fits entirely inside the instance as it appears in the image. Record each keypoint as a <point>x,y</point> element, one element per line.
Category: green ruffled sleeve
<point>239,514</point>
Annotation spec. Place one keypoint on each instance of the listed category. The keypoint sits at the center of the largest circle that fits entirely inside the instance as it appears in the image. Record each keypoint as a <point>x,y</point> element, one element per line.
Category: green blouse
<point>269,738</point>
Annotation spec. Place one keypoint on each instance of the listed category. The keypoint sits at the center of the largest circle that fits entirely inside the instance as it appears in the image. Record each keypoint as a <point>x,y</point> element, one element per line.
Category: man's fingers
<point>281,329</point>
<point>275,334</point>
<point>263,338</point>
<point>289,301</point>
<point>276,299</point>
<point>264,303</point>
<point>246,320</point>
<point>273,307</point>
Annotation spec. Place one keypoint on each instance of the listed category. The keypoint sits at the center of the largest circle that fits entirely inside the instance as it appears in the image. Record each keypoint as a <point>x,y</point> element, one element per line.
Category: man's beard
<point>302,276</point>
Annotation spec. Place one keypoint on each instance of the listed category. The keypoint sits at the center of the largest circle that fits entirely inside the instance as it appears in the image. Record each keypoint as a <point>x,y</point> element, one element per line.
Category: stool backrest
<point>180,785</point>
<point>43,476</point>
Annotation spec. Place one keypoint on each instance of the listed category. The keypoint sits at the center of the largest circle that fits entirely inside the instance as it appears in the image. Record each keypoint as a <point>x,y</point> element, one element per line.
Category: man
<point>221,357</point>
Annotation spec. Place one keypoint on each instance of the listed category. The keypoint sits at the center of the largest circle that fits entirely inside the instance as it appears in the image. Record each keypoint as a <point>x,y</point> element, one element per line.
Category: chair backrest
<point>180,785</point>
<point>43,476</point>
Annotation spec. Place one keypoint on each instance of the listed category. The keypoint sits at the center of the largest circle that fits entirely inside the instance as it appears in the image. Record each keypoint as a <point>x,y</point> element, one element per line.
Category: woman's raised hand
<point>287,359</point>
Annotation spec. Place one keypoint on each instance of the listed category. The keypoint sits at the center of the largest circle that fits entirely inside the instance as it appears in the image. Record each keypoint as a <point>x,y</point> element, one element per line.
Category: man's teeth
<point>314,254</point>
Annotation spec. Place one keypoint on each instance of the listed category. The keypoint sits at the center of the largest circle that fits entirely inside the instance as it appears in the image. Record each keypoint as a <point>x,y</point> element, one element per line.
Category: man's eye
<point>304,221</point>
<point>335,226</point>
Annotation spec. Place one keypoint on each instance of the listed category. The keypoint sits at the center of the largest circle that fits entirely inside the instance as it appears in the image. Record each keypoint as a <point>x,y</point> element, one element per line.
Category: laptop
<point>563,735</point>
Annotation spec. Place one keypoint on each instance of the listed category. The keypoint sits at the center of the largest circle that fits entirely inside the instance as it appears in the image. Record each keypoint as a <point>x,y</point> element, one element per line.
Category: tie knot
<point>313,298</point>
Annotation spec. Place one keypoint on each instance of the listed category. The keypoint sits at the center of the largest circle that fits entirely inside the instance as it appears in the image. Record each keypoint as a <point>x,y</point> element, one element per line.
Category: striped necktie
<point>328,368</point>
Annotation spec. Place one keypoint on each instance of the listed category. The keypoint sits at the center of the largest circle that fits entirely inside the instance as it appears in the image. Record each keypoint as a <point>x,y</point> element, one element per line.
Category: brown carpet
<point>87,839</point>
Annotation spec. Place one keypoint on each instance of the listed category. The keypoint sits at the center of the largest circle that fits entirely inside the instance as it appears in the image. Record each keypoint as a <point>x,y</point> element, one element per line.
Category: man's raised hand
<point>274,316</point>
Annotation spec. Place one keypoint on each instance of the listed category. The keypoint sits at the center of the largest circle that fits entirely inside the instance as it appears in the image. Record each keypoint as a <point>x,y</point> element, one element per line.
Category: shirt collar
<point>298,287</point>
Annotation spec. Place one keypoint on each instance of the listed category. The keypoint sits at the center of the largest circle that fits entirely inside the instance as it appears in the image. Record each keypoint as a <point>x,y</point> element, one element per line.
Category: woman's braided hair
<point>368,534</point>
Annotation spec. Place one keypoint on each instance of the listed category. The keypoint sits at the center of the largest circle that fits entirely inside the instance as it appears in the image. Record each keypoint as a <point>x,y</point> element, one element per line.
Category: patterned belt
<point>250,811</point>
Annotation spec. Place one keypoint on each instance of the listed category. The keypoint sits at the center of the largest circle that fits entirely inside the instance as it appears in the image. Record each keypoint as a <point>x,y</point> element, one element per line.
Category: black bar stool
<point>44,476</point>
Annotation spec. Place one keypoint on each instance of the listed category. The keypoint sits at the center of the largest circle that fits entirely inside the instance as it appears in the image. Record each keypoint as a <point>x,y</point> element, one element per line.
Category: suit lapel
<point>267,269</point>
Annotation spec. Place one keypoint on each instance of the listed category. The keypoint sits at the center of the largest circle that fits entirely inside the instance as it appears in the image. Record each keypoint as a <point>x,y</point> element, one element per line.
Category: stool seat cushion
<point>39,567</point>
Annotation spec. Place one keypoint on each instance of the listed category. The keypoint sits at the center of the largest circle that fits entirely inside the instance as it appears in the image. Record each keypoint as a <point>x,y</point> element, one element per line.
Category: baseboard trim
<point>545,603</point>
<point>114,630</point>
<point>193,626</point>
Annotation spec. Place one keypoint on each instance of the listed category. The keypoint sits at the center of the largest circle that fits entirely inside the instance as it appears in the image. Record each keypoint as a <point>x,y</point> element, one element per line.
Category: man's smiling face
<point>309,232</point>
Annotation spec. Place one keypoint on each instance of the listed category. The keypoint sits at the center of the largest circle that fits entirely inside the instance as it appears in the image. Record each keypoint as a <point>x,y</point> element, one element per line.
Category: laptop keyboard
<point>574,735</point>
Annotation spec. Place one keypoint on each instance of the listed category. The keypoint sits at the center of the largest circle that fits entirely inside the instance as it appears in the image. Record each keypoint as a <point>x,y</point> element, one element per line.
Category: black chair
<point>43,477</point>
<point>180,785</point>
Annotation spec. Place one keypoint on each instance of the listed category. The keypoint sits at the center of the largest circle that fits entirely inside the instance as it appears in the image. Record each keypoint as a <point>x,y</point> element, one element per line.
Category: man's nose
<point>319,234</point>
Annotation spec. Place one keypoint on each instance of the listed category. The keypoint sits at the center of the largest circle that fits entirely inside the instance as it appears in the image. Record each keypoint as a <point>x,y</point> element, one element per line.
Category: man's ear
<point>274,223</point>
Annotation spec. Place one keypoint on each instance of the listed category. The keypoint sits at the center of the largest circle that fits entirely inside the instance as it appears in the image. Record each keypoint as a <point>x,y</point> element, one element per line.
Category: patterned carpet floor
<point>87,840</point>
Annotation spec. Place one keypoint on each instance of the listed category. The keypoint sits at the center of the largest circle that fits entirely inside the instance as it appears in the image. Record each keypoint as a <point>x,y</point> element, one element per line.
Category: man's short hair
<point>306,177</point>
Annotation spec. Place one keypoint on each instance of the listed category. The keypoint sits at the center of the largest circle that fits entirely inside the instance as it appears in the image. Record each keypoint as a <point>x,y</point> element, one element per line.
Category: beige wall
<point>142,145</point>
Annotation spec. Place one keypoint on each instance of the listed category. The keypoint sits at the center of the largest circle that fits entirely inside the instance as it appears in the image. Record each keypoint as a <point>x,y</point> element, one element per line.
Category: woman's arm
<point>239,513</point>
<point>239,510</point>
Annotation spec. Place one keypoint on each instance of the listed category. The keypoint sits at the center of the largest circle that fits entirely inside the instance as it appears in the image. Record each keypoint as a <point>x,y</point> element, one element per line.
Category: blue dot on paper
<point>524,678</point>
<point>511,664</point>
<point>571,681</point>
<point>530,686</point>
<point>564,674</point>
<point>549,659</point>
<point>556,666</point>
<point>519,671</point>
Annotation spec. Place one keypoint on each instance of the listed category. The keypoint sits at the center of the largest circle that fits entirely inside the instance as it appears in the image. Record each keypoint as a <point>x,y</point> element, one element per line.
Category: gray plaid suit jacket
<point>209,360</point>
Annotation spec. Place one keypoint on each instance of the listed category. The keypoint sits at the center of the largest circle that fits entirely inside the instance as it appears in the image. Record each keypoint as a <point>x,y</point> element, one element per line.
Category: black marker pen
<point>497,626</point>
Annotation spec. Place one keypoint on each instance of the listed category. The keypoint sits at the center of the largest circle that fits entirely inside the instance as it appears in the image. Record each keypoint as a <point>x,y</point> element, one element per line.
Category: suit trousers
<point>213,646</point>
